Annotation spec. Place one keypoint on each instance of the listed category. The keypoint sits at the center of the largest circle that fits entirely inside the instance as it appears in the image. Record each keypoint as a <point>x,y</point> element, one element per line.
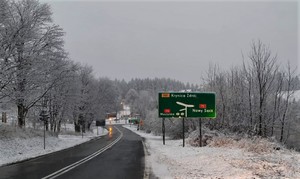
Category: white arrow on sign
<point>185,107</point>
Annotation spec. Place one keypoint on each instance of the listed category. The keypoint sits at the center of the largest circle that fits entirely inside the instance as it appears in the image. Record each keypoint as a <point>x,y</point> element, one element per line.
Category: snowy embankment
<point>20,144</point>
<point>224,157</point>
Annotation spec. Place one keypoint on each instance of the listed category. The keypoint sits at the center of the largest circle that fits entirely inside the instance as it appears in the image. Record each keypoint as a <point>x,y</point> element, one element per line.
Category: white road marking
<point>82,161</point>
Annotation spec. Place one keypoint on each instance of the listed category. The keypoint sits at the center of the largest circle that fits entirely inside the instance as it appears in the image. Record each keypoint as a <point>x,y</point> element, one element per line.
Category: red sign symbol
<point>202,106</point>
<point>167,111</point>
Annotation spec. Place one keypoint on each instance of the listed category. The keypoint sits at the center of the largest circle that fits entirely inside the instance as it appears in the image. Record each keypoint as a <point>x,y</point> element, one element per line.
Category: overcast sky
<point>175,40</point>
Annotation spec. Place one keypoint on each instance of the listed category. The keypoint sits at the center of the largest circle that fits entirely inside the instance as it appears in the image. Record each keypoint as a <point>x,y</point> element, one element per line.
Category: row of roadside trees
<point>36,74</point>
<point>255,98</point>
<point>37,77</point>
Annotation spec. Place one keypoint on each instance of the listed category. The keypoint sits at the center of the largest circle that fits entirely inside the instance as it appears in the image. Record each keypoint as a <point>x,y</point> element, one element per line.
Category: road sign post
<point>163,130</point>
<point>183,132</point>
<point>44,117</point>
<point>44,135</point>
<point>200,133</point>
<point>81,131</point>
<point>187,105</point>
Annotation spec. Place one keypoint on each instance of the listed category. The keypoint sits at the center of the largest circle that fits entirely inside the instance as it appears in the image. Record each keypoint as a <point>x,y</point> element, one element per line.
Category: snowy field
<point>20,144</point>
<point>224,158</point>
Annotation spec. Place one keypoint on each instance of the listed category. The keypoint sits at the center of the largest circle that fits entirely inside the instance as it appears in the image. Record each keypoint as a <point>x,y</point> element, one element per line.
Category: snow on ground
<point>296,95</point>
<point>246,159</point>
<point>20,144</point>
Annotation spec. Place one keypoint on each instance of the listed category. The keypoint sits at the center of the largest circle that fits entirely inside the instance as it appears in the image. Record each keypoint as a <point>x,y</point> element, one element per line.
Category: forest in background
<point>39,81</point>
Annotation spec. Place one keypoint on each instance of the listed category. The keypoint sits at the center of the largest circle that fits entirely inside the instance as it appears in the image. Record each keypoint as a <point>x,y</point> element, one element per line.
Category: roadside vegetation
<point>226,156</point>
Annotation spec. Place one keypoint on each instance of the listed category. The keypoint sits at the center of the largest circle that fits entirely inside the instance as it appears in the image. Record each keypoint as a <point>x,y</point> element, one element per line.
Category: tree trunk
<point>274,116</point>
<point>259,132</point>
<point>77,127</point>
<point>83,127</point>
<point>89,125</point>
<point>20,99</point>
<point>250,107</point>
<point>47,125</point>
<point>20,88</point>
<point>21,114</point>
<point>59,126</point>
<point>265,132</point>
<point>287,133</point>
<point>281,132</point>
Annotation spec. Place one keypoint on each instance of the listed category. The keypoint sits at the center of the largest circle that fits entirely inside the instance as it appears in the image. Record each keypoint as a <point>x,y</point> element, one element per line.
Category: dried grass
<point>255,145</point>
<point>222,142</point>
<point>264,162</point>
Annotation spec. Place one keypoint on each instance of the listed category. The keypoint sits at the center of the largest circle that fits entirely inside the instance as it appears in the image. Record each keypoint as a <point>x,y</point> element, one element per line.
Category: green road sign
<point>179,105</point>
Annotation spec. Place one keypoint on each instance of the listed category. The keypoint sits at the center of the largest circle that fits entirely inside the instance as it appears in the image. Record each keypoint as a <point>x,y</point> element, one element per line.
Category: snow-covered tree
<point>30,44</point>
<point>255,98</point>
<point>108,97</point>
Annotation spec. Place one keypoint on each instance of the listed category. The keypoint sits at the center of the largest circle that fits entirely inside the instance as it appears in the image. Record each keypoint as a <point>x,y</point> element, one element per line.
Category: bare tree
<point>62,95</point>
<point>108,97</point>
<point>278,95</point>
<point>248,77</point>
<point>288,93</point>
<point>264,67</point>
<point>85,80</point>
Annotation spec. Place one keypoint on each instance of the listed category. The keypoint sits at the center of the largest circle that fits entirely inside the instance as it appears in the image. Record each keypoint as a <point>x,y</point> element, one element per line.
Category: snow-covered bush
<point>173,127</point>
<point>153,123</point>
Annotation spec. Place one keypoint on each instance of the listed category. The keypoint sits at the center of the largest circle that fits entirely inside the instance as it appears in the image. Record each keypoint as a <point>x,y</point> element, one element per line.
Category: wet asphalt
<point>123,160</point>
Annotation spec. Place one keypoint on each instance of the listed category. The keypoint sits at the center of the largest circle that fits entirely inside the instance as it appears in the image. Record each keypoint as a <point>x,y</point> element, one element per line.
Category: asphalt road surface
<point>120,154</point>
